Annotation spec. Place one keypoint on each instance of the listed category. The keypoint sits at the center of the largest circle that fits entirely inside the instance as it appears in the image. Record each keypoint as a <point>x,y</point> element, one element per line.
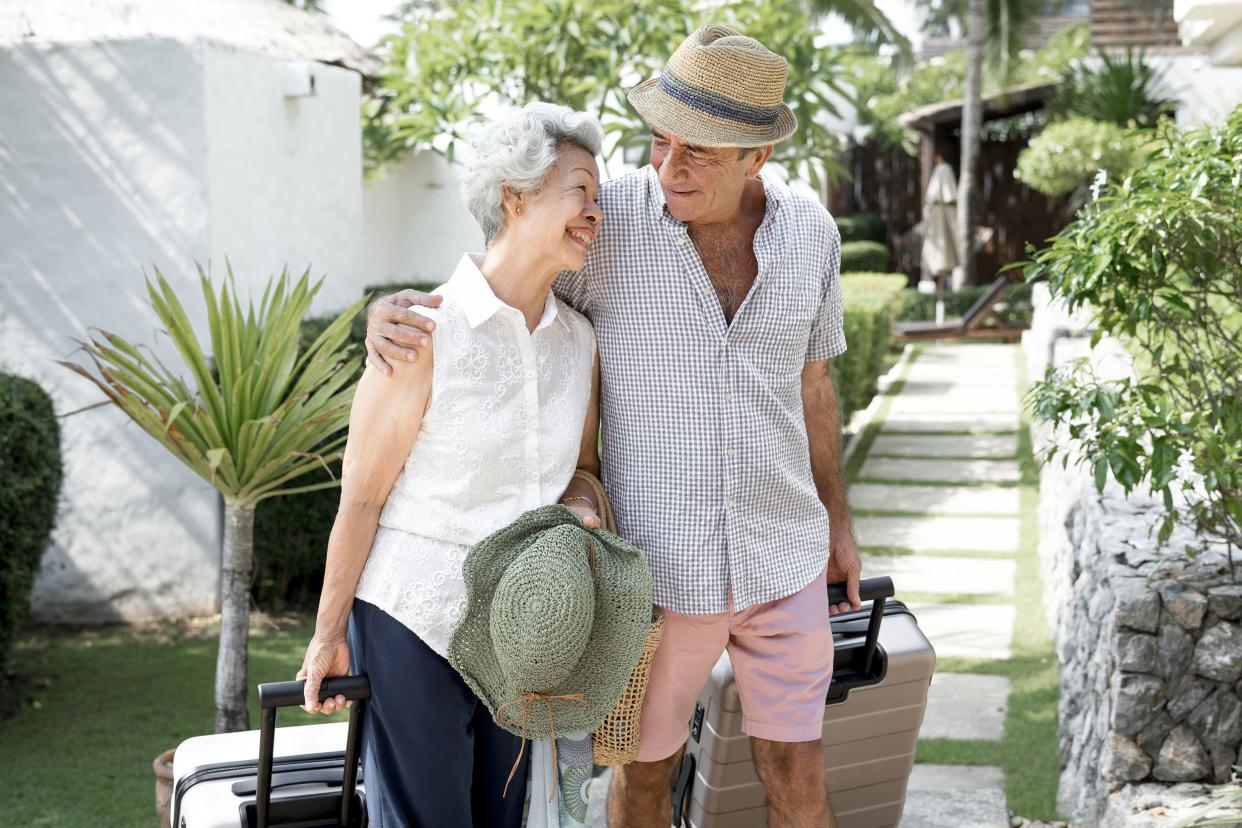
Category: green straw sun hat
<point>719,89</point>
<point>556,618</point>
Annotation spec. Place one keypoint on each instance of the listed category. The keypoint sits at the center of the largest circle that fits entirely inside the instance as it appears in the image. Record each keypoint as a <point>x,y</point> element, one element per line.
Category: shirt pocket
<point>782,328</point>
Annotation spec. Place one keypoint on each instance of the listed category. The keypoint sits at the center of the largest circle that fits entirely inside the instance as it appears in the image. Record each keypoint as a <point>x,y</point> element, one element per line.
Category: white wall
<point>124,155</point>
<point>1204,93</point>
<point>415,227</point>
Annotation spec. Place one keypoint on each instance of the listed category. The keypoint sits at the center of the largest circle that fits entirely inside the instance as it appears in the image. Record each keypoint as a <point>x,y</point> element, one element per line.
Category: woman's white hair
<point>517,150</point>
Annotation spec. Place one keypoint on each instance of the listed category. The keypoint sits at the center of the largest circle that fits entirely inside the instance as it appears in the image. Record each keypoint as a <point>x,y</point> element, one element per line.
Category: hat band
<point>715,104</point>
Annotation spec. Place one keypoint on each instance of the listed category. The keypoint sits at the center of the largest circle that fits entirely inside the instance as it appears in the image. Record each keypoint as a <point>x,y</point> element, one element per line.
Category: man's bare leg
<point>641,793</point>
<point>792,774</point>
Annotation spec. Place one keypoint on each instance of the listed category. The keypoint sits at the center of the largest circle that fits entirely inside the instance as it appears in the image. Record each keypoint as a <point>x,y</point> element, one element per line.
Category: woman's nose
<point>593,214</point>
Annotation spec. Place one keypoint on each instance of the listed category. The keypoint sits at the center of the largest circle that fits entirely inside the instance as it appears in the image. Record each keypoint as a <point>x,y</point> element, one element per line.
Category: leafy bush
<point>1159,261</point>
<point>30,478</point>
<point>1014,307</point>
<point>1068,155</point>
<point>861,227</point>
<point>1122,89</point>
<point>870,301</point>
<point>863,257</point>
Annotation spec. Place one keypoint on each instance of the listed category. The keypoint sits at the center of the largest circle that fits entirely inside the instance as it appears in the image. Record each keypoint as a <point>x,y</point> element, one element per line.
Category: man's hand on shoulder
<point>395,332</point>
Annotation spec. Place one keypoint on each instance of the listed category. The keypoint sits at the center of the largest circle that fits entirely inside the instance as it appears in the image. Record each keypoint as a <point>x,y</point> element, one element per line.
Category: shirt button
<point>530,375</point>
<point>728,395</point>
<point>682,241</point>
<point>729,451</point>
<point>729,503</point>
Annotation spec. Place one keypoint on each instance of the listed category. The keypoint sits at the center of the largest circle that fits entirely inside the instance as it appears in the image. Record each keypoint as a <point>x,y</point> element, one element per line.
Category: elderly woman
<point>487,424</point>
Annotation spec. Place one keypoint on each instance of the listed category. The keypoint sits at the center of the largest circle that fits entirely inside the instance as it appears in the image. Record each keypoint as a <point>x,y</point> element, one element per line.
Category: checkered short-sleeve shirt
<point>705,452</point>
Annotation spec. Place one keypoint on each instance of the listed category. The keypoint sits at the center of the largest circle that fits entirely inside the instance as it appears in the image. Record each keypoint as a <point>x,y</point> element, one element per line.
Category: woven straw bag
<point>616,740</point>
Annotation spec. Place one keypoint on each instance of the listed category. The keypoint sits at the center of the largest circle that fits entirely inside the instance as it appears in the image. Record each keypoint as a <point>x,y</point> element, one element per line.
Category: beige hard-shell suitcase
<point>882,668</point>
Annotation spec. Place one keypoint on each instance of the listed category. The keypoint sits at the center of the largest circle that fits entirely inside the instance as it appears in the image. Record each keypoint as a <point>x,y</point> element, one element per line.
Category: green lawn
<point>99,705</point>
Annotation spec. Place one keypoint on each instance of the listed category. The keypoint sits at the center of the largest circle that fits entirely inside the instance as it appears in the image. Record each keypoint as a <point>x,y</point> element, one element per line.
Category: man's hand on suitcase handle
<point>325,658</point>
<point>844,565</point>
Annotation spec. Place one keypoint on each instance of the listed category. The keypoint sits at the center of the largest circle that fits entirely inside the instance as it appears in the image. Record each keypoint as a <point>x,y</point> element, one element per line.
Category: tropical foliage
<point>1122,89</point>
<point>1158,259</point>
<point>445,69</point>
<point>885,95</point>
<point>255,416</point>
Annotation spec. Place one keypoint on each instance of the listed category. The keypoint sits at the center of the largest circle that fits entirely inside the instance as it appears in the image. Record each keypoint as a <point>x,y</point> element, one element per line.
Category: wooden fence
<point>887,181</point>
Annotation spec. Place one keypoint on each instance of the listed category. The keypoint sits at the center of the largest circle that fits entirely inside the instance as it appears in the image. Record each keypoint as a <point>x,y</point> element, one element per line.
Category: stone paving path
<point>936,508</point>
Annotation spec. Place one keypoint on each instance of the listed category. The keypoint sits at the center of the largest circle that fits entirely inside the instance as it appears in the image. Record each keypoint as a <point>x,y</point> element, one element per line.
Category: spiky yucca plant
<point>254,416</point>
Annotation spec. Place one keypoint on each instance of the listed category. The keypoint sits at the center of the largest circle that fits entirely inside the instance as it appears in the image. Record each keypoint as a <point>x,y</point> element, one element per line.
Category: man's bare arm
<point>823,430</point>
<point>394,332</point>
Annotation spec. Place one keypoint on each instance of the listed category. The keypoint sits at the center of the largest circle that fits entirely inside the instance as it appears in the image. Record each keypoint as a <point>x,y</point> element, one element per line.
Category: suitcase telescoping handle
<point>875,590</point>
<point>290,694</point>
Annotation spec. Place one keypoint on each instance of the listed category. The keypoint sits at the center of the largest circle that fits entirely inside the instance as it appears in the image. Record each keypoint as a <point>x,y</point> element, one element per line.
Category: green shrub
<point>870,301</point>
<point>1014,307</point>
<point>30,478</point>
<point>1068,155</point>
<point>1159,263</point>
<point>861,227</point>
<point>863,257</point>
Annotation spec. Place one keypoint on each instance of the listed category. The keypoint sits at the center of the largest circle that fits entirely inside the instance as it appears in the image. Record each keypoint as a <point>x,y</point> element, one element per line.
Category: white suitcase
<point>290,777</point>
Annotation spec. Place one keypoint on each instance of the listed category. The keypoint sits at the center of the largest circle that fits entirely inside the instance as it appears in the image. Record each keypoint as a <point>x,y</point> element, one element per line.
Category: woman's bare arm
<point>588,459</point>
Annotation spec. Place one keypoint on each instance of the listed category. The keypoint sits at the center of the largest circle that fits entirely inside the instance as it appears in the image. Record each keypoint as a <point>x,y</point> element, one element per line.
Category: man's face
<point>702,184</point>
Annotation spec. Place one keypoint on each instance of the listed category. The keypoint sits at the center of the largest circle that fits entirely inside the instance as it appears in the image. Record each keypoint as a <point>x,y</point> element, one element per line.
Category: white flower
<point>1184,470</point>
<point>1097,186</point>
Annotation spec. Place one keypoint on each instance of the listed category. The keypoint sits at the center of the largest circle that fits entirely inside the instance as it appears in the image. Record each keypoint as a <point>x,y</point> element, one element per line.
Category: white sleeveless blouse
<point>501,436</point>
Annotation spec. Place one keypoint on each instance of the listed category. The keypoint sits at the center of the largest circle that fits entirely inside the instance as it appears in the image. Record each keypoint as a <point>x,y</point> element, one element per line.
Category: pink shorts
<point>781,653</point>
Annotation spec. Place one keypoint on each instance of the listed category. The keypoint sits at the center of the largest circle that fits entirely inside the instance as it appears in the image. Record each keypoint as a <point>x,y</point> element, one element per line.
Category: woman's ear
<point>512,201</point>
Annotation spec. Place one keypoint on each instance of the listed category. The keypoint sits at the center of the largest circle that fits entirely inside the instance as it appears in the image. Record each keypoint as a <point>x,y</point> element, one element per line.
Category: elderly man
<point>716,298</point>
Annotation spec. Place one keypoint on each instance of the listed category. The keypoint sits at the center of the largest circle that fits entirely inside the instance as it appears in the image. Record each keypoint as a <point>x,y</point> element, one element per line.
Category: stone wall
<point>1148,639</point>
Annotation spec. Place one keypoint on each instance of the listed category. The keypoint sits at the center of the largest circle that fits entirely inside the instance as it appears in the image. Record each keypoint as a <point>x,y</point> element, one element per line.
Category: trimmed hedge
<point>862,227</point>
<point>31,473</point>
<point>863,257</point>
<point>1014,308</point>
<point>871,302</point>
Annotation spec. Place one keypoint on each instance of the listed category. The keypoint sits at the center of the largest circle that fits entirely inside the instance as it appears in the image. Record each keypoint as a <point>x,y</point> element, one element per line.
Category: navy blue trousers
<point>432,755</point>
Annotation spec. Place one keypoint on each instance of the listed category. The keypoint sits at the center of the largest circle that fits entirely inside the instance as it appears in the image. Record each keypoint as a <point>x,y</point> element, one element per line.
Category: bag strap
<point>606,516</point>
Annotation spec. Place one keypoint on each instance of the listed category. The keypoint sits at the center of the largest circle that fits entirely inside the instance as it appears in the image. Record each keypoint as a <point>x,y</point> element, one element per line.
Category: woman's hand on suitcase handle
<point>325,658</point>
<point>844,565</point>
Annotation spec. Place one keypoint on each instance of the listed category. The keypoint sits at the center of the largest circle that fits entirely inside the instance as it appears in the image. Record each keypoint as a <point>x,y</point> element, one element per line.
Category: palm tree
<point>871,25</point>
<point>993,28</point>
<point>972,125</point>
<point>263,415</point>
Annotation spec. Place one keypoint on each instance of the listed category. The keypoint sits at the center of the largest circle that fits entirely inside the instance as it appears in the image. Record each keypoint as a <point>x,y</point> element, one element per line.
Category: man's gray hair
<point>517,150</point>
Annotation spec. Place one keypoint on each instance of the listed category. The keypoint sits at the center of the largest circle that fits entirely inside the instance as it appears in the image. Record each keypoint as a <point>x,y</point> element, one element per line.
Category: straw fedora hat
<point>556,619</point>
<point>719,89</point>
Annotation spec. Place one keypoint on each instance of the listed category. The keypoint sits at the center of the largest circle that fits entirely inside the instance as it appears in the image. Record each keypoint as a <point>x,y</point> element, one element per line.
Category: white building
<point>137,134</point>
<point>1214,25</point>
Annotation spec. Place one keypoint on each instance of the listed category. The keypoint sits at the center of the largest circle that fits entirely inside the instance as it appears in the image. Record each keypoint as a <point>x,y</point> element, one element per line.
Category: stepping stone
<point>957,422</point>
<point>914,573</point>
<point>955,778</point>
<point>987,401</point>
<point>982,631</point>
<point>971,445</point>
<point>949,500</point>
<point>957,471</point>
<point>939,533</point>
<point>965,706</point>
<point>955,809</point>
